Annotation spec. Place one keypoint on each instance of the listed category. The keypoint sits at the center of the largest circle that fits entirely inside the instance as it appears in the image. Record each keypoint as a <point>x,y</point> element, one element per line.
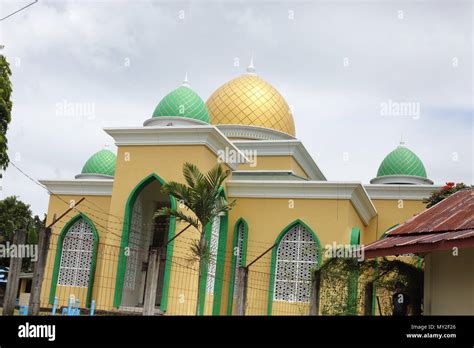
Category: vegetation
<point>16,215</point>
<point>200,202</point>
<point>446,191</point>
<point>384,272</point>
<point>5,109</point>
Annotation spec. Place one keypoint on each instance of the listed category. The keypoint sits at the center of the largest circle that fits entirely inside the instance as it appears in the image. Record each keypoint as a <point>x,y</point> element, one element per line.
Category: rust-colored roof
<point>448,224</point>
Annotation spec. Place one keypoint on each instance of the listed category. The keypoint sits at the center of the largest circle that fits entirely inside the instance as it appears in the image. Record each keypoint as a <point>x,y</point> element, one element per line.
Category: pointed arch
<point>59,250</point>
<point>238,246</point>
<point>122,262</point>
<point>273,265</point>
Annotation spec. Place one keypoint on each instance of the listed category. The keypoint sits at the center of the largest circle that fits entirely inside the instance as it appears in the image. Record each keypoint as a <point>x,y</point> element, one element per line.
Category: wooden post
<point>38,273</point>
<point>368,298</point>
<point>151,281</point>
<point>14,274</point>
<point>241,290</point>
<point>315,289</point>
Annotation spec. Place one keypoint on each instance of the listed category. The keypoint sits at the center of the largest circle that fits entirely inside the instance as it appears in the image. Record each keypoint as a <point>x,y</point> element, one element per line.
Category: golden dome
<point>249,100</point>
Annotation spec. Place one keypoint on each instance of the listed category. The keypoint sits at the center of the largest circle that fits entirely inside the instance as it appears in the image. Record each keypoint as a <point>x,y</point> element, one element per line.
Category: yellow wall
<point>134,163</point>
<point>96,209</point>
<point>331,220</point>
<point>392,212</point>
<point>449,284</point>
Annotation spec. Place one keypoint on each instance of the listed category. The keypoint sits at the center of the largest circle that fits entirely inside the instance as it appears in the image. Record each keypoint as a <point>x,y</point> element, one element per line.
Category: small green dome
<point>102,162</point>
<point>183,102</point>
<point>402,161</point>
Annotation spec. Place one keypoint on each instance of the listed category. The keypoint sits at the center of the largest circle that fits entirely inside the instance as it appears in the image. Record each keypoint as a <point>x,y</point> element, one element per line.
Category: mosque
<point>282,198</point>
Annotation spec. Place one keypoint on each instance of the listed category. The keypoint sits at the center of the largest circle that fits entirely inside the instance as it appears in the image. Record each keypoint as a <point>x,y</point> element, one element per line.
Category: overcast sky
<point>336,63</point>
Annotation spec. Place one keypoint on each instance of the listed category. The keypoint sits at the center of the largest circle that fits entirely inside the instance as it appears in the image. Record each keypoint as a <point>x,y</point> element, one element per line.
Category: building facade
<point>99,249</point>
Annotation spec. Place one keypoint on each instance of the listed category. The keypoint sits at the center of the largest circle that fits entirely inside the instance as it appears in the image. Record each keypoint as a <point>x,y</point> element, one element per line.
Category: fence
<point>86,272</point>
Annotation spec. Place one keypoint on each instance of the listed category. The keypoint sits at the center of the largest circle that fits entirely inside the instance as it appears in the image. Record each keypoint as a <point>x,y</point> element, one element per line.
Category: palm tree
<point>202,196</point>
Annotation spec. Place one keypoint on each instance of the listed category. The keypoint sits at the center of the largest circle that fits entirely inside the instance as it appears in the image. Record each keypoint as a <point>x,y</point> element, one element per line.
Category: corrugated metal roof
<point>451,214</point>
<point>448,224</point>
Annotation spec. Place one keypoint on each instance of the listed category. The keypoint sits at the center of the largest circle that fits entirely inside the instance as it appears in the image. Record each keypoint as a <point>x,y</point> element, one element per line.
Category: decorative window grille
<point>76,255</point>
<point>296,255</point>
<point>213,248</point>
<point>134,244</point>
<point>240,252</point>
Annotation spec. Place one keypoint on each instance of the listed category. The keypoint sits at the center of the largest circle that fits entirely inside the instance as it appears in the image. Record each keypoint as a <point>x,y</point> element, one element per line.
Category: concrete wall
<point>449,283</point>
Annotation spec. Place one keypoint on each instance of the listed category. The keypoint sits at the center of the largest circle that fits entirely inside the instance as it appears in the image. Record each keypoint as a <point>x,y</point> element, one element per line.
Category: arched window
<point>76,255</point>
<point>296,256</point>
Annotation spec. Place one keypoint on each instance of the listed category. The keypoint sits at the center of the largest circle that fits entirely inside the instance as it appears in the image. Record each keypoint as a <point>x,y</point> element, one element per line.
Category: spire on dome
<point>402,143</point>
<point>185,81</point>
<point>251,67</point>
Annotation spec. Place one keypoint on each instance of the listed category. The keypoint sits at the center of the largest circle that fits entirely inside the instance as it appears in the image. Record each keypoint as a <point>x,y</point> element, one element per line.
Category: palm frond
<point>179,191</point>
<point>192,174</point>
<point>179,215</point>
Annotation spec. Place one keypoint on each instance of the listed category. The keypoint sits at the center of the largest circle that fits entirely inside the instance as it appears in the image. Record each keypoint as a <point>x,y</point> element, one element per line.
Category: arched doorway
<point>143,231</point>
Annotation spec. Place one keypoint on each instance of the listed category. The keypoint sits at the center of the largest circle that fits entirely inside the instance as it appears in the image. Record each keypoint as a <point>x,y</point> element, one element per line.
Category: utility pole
<point>241,289</point>
<point>14,273</point>
<point>152,281</point>
<point>38,273</point>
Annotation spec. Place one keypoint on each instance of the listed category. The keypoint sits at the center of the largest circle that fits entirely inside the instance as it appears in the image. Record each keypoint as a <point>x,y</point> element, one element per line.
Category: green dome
<point>402,161</point>
<point>102,162</point>
<point>183,102</point>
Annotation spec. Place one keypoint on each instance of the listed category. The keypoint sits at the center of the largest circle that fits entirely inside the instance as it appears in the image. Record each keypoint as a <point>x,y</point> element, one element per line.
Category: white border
<point>294,148</point>
<point>101,187</point>
<point>401,179</point>
<point>407,192</point>
<point>252,132</point>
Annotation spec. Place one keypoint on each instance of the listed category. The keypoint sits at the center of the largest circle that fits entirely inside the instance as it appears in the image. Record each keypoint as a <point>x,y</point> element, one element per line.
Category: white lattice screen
<point>134,244</point>
<point>296,256</point>
<point>76,255</point>
<point>214,247</point>
<point>240,252</point>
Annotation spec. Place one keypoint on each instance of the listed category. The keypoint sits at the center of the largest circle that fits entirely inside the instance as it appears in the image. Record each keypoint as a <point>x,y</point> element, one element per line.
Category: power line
<point>21,9</point>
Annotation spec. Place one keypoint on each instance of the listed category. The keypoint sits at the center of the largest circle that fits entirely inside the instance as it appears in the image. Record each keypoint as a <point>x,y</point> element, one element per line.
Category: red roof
<point>448,224</point>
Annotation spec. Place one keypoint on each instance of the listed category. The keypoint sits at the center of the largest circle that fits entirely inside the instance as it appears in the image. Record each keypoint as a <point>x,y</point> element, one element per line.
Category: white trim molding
<point>407,192</point>
<point>401,180</point>
<point>93,176</point>
<point>353,191</point>
<point>266,175</point>
<point>294,148</point>
<point>172,121</point>
<point>91,187</point>
<point>207,135</point>
<point>252,132</point>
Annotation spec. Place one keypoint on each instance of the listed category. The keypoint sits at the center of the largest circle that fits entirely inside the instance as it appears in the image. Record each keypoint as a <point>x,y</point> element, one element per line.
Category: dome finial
<point>185,81</point>
<point>402,143</point>
<point>251,67</point>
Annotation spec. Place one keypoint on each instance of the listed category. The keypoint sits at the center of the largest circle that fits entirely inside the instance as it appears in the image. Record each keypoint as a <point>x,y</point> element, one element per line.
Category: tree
<point>446,191</point>
<point>201,196</point>
<point>5,109</point>
<point>15,215</point>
